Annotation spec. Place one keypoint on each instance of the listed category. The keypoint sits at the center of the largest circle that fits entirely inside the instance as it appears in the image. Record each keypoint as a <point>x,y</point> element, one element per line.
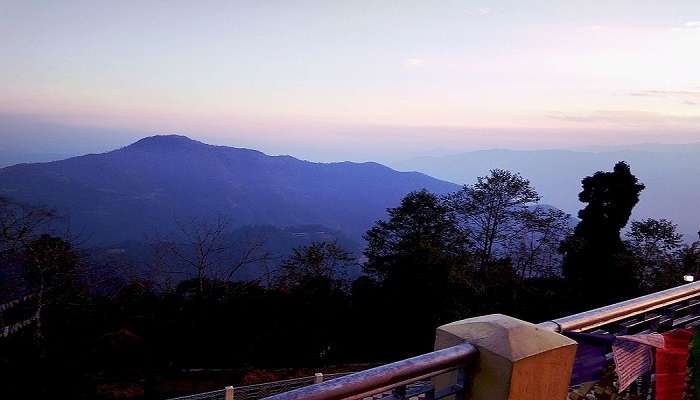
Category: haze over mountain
<point>671,174</point>
<point>145,187</point>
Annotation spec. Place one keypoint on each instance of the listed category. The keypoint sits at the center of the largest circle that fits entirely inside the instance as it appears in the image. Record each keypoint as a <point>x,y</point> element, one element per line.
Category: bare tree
<point>38,265</point>
<point>20,223</point>
<point>202,247</point>
<point>251,251</point>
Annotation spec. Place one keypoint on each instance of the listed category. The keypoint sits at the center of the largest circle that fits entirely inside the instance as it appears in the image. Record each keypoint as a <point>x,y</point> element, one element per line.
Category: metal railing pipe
<point>386,377</point>
<point>615,312</point>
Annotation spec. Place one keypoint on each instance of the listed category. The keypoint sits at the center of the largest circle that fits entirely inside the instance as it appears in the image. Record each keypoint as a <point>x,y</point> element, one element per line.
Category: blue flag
<point>590,356</point>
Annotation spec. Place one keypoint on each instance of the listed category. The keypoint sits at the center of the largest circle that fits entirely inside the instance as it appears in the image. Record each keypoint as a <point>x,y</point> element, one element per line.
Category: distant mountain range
<point>671,174</point>
<point>145,187</point>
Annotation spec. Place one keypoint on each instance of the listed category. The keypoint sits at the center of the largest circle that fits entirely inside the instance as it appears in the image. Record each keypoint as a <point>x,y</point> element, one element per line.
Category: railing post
<point>318,377</point>
<point>229,393</point>
<point>517,360</point>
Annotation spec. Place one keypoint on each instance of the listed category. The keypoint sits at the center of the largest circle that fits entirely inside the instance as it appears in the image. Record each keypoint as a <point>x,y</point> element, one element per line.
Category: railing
<point>410,378</point>
<point>212,395</point>
<point>399,378</point>
<point>657,312</point>
<point>261,390</point>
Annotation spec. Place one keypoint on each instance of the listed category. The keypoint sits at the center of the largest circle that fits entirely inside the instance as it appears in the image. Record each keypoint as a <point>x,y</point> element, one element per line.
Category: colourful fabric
<point>695,360</point>
<point>671,365</point>
<point>603,389</point>
<point>590,359</point>
<point>689,393</point>
<point>651,339</point>
<point>632,360</point>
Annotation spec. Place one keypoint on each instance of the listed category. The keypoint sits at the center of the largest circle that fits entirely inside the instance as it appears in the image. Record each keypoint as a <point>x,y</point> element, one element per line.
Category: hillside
<point>145,187</point>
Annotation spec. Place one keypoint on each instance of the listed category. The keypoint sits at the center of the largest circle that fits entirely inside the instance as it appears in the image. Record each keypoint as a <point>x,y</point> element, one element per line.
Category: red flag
<point>671,365</point>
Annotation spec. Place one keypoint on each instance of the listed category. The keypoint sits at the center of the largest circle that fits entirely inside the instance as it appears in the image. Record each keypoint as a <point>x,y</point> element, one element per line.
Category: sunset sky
<point>329,80</point>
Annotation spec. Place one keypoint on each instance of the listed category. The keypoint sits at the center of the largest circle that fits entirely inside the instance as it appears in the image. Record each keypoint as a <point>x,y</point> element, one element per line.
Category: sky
<point>359,80</point>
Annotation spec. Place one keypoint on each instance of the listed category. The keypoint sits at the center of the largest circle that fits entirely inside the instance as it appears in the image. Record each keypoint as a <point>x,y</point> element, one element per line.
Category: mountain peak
<point>164,141</point>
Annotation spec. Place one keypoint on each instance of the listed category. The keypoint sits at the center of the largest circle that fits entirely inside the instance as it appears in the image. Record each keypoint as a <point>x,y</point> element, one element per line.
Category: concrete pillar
<point>517,360</point>
<point>318,377</point>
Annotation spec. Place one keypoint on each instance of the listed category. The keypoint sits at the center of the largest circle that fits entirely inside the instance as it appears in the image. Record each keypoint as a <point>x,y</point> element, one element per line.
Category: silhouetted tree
<point>20,223</point>
<point>421,233</point>
<point>534,251</point>
<point>596,263</point>
<point>52,271</point>
<point>656,245</point>
<point>690,258</point>
<point>493,210</point>
<point>412,255</point>
<point>202,248</point>
<point>319,259</point>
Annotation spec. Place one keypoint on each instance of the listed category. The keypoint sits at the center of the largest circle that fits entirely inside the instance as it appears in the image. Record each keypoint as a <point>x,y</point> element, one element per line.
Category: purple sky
<point>330,80</point>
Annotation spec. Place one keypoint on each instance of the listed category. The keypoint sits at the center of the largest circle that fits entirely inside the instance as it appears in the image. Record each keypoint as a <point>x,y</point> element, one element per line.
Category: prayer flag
<point>591,354</point>
<point>671,365</point>
<point>651,339</point>
<point>632,359</point>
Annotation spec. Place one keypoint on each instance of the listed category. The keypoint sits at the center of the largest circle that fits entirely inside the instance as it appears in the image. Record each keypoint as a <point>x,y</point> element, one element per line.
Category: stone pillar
<point>517,360</point>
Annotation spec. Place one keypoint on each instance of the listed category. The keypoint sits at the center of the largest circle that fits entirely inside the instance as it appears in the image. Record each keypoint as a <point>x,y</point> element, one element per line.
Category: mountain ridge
<point>126,193</point>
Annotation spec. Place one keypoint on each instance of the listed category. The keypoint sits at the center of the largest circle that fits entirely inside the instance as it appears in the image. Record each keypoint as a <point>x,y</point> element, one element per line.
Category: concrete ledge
<point>517,360</point>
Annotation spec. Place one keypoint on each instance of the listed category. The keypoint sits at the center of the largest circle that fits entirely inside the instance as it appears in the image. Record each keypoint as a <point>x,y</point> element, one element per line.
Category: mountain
<point>147,186</point>
<point>671,174</point>
<point>8,158</point>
